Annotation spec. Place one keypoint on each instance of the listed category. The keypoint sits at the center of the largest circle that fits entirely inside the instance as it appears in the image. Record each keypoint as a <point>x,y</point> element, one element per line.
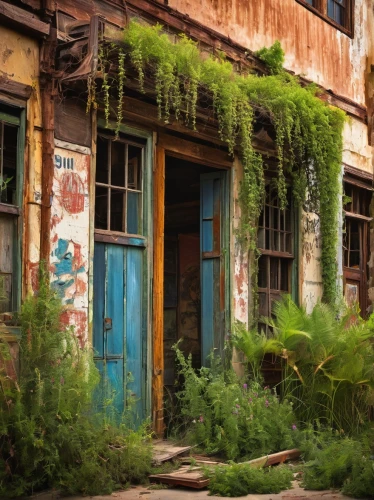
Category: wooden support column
<point>158,293</point>
<point>48,92</point>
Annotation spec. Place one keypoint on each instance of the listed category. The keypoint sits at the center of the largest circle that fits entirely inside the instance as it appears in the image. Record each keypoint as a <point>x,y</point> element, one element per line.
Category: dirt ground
<point>143,493</point>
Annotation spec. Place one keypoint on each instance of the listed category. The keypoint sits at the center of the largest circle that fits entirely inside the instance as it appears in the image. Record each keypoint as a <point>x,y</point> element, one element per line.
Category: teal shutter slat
<point>115,300</point>
<point>207,309</point>
<point>212,268</point>
<point>134,307</point>
<point>99,291</point>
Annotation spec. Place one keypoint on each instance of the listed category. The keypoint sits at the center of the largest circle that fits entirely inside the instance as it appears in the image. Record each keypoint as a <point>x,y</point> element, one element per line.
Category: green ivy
<point>308,131</point>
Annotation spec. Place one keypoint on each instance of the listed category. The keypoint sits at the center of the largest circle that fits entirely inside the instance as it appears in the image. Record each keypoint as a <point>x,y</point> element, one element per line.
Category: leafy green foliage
<point>242,479</point>
<point>308,132</point>
<point>341,462</point>
<point>273,57</point>
<point>328,362</point>
<point>49,435</point>
<point>225,416</point>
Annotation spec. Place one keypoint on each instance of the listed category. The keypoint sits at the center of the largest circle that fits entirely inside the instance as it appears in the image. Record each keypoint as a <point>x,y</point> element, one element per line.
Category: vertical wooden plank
<point>99,300</point>
<point>207,309</point>
<point>91,236</point>
<point>134,307</point>
<point>158,292</point>
<point>115,300</point>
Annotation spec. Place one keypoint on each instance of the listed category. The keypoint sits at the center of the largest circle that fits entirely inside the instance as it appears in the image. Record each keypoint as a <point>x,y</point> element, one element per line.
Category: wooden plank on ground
<point>164,450</point>
<point>193,477</point>
<point>185,476</point>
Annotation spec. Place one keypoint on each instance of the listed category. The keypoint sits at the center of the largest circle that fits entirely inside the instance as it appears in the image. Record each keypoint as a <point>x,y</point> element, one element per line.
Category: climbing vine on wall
<point>308,132</point>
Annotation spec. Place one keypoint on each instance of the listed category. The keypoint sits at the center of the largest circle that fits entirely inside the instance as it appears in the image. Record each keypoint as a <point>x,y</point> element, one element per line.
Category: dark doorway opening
<point>182,278</point>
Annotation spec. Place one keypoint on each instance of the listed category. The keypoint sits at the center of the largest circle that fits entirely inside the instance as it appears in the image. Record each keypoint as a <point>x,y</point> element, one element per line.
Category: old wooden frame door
<point>121,275</point>
<point>206,156</point>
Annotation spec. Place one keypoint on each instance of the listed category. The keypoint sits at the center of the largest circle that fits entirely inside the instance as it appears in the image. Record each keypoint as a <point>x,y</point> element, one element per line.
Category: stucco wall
<point>313,47</point>
<point>19,61</point>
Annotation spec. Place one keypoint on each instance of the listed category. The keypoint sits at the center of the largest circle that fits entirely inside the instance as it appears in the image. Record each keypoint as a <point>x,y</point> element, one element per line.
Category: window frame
<point>360,202</point>
<point>15,115</point>
<point>320,9</point>
<point>123,237</point>
<point>291,258</point>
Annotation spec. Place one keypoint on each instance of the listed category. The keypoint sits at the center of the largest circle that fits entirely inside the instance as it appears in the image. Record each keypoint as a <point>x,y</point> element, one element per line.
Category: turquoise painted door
<point>213,293</point>
<point>118,325</point>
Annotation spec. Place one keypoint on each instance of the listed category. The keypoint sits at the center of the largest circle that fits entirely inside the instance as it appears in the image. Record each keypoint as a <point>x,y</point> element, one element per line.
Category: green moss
<point>308,132</point>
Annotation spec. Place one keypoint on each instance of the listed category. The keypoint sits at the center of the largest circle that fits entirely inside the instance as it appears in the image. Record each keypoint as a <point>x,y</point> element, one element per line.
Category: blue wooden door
<point>118,326</point>
<point>212,210</point>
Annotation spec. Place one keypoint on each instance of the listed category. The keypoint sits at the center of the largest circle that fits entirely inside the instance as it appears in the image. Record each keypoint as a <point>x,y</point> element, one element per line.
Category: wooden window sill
<point>326,18</point>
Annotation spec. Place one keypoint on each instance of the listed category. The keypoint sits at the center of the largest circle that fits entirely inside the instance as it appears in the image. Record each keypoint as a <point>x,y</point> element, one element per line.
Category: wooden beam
<point>194,151</point>
<point>14,16</point>
<point>13,88</point>
<point>158,293</point>
<point>47,85</point>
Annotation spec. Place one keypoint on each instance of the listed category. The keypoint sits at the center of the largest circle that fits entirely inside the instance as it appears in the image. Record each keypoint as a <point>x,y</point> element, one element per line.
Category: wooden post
<point>47,62</point>
<point>158,293</point>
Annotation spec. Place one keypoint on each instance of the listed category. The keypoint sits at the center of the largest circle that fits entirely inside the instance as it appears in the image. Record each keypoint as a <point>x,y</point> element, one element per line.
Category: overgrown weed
<point>49,434</point>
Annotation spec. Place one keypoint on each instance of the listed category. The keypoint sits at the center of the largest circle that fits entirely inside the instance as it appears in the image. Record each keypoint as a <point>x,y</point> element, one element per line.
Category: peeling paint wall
<point>70,236</point>
<point>313,47</point>
<point>19,62</point>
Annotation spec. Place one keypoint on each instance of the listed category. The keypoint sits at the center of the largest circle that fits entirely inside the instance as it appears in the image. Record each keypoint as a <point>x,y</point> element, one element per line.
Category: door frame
<point>170,145</point>
<point>99,124</point>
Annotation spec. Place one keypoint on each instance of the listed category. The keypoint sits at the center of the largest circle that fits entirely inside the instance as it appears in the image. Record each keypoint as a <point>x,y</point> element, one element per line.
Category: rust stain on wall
<point>313,47</point>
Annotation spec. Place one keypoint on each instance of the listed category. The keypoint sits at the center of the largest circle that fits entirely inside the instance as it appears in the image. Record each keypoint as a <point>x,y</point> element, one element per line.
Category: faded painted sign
<point>70,236</point>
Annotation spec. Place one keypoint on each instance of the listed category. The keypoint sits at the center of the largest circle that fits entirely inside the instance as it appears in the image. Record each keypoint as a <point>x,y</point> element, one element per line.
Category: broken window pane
<point>102,160</point>
<point>8,163</point>
<point>117,211</point>
<point>101,208</point>
<point>118,164</point>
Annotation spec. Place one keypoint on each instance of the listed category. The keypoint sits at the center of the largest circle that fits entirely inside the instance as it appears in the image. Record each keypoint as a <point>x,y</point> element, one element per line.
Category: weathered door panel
<point>212,264</point>
<point>134,320</point>
<point>118,324</point>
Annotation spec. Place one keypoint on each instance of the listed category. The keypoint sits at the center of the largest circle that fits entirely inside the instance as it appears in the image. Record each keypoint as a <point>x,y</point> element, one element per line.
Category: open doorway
<point>194,278</point>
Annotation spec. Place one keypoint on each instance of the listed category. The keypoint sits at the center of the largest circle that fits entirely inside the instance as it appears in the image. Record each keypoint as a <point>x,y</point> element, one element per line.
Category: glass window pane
<point>9,163</point>
<point>102,161</point>
<point>7,233</point>
<point>274,278</point>
<point>262,272</point>
<point>118,164</point>
<point>330,8</point>
<point>101,208</point>
<point>117,209</point>
<point>134,168</point>
<point>285,266</point>
<point>133,212</point>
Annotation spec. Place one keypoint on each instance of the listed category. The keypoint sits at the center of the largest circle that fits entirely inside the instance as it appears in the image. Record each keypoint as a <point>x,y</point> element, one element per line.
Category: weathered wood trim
<point>72,147</point>
<point>16,89</point>
<point>175,146</point>
<point>15,16</point>
<point>362,174</point>
<point>119,239</point>
<point>9,209</point>
<point>47,85</point>
<point>158,291</point>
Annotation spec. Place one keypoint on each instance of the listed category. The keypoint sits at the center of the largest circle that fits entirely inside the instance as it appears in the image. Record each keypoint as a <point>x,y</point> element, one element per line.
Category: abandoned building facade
<point>138,228</point>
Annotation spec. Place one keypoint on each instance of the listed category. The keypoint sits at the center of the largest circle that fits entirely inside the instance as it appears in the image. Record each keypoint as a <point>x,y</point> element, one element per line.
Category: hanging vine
<point>308,132</point>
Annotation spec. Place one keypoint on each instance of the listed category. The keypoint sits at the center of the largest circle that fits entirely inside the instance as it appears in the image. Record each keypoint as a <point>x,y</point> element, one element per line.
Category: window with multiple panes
<point>119,185</point>
<point>356,241</point>
<point>11,158</point>
<point>275,242</point>
<point>337,12</point>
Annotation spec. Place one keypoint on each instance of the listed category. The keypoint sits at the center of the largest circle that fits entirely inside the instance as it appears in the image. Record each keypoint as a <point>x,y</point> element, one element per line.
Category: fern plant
<point>328,362</point>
